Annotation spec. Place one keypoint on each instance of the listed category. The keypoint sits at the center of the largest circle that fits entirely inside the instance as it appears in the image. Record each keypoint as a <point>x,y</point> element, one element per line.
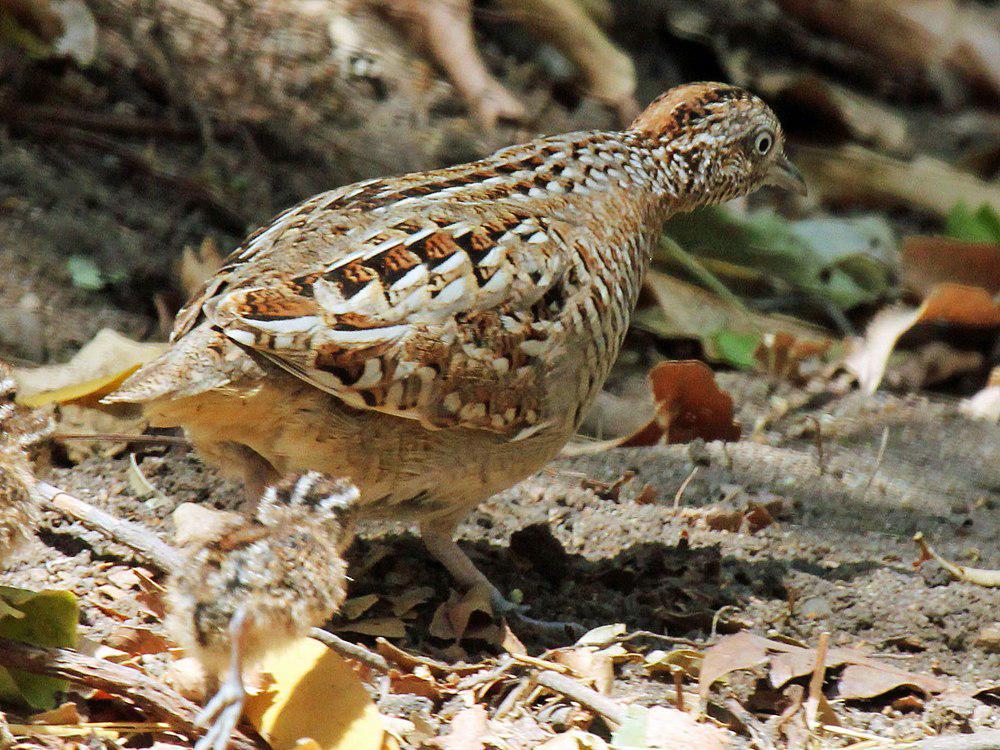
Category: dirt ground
<point>837,558</point>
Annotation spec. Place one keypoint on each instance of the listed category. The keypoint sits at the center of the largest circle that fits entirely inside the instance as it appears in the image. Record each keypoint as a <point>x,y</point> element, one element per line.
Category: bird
<point>438,336</point>
<point>20,428</point>
<point>258,583</point>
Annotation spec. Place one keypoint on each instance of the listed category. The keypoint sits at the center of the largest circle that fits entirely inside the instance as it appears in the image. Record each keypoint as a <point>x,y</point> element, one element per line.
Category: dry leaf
<point>782,355</point>
<point>853,175</point>
<point>469,729</point>
<point>984,405</point>
<point>353,608</point>
<point>451,619</point>
<point>574,739</point>
<point>195,524</point>
<point>66,713</point>
<point>931,260</point>
<point>314,694</point>
<point>662,728</point>
<point>92,373</point>
<point>197,266</point>
<point>595,666</point>
<point>382,627</point>
<point>786,662</point>
<point>689,405</point>
<point>947,303</point>
<point>137,640</point>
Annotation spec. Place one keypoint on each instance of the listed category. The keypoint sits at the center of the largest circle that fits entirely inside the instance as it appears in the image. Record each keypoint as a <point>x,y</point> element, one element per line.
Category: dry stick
<point>168,559</point>
<point>816,681</point>
<point>351,650</point>
<point>132,535</point>
<point>153,698</point>
<point>878,461</point>
<point>585,696</point>
<point>989,740</point>
<point>121,437</point>
<point>684,486</point>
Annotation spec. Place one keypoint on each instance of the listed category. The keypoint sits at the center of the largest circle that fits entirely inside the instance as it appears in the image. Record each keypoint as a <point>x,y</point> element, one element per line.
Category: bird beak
<point>785,175</point>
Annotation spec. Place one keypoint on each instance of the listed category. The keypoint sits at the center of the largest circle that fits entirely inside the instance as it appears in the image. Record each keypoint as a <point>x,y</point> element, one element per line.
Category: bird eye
<point>763,143</point>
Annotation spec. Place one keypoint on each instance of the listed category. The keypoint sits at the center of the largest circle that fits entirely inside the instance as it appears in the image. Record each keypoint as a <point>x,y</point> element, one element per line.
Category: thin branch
<point>351,650</point>
<point>154,698</point>
<point>132,535</point>
<point>989,740</point>
<point>120,437</point>
<point>574,690</point>
<point>168,558</point>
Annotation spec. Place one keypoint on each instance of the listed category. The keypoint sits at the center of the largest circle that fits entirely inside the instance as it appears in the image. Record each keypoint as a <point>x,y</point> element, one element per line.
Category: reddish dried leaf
<point>931,260</point>
<point>689,405</point>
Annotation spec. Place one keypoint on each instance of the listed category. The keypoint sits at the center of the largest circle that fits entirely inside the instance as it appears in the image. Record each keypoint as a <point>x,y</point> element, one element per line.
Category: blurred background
<point>140,140</point>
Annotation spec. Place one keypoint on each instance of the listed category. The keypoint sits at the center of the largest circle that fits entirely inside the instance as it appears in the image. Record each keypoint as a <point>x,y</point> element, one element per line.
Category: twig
<point>120,437</point>
<point>141,540</point>
<point>820,457</point>
<point>351,650</point>
<point>878,461</point>
<point>989,740</point>
<point>168,559</point>
<point>103,122</point>
<point>585,696</point>
<point>978,576</point>
<point>155,699</point>
<point>816,682</point>
<point>684,486</point>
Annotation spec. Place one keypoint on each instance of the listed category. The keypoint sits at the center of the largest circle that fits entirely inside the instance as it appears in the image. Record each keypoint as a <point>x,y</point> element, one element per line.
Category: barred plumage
<point>437,337</point>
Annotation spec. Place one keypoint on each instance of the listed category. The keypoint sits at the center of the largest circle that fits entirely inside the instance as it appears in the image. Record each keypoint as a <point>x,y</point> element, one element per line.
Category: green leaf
<point>846,261</point>
<point>84,273</point>
<point>735,348</point>
<point>44,618</point>
<point>981,226</point>
<point>632,733</point>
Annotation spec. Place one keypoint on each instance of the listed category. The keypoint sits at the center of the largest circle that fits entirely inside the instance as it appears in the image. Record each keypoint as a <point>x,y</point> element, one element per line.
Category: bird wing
<point>444,311</point>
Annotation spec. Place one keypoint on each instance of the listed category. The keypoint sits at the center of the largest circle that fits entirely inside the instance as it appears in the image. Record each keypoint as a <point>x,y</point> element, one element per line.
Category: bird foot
<point>517,617</point>
<point>221,715</point>
<point>495,103</point>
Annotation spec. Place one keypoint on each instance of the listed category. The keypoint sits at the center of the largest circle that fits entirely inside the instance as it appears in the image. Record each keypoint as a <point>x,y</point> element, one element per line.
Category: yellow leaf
<point>315,695</point>
<point>91,391</point>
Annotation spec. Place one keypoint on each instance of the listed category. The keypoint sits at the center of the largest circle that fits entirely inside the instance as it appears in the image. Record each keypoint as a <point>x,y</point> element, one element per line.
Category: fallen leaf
<point>602,636</point>
<point>689,405</point>
<point>931,260</point>
<point>593,665</point>
<point>353,608</point>
<point>196,524</point>
<point>92,373</point>
<point>198,266</point>
<point>314,694</point>
<point>469,729</point>
<point>135,639</point>
<point>67,713</point>
<point>947,303</point>
<point>785,662</point>
<point>574,739</point>
<point>662,728</point>
<point>39,618</point>
<point>853,175</point>
<point>984,405</point>
<point>383,627</point>
<point>727,333</point>
<point>451,619</point>
<point>686,659</point>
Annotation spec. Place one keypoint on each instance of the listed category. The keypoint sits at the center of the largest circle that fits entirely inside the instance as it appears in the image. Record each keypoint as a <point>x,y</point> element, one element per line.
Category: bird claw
<point>221,716</point>
<point>496,103</point>
<point>516,616</point>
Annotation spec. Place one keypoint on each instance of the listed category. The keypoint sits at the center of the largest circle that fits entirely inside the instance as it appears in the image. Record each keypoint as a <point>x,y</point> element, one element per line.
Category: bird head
<point>717,142</point>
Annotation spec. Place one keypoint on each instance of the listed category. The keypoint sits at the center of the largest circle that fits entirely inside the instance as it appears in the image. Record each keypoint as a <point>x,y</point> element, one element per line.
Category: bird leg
<point>223,712</point>
<point>446,28</point>
<point>444,548</point>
